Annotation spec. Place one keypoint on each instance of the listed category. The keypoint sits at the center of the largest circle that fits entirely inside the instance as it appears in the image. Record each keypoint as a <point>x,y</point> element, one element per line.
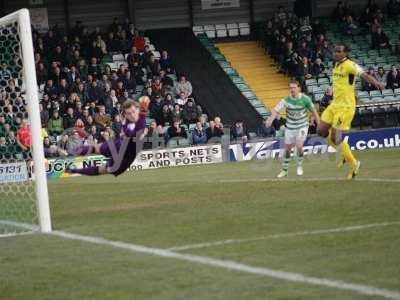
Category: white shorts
<point>296,136</point>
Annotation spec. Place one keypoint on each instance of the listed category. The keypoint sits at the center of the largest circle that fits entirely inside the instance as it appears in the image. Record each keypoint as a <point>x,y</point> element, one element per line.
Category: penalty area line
<point>225,264</point>
<point>310,179</point>
<point>282,235</point>
<point>232,265</point>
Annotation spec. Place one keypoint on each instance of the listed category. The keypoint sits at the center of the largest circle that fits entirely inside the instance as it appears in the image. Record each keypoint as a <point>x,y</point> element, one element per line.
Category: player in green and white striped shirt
<point>297,106</point>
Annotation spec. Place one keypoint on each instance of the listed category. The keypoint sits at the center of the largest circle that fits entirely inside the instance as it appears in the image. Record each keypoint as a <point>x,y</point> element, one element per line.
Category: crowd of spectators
<point>302,50</point>
<point>299,47</point>
<point>81,95</point>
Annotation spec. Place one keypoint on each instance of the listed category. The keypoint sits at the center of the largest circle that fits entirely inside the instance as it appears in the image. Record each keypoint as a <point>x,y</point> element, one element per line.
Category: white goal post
<point>16,29</point>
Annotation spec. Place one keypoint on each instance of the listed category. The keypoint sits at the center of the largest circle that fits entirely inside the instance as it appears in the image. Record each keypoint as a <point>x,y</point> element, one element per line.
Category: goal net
<point>23,186</point>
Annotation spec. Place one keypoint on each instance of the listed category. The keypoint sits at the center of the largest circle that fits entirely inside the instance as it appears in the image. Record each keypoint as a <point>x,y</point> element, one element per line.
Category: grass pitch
<point>182,206</point>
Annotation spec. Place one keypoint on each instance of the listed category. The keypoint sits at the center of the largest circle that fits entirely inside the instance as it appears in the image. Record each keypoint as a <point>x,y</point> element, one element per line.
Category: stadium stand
<point>257,70</point>
<point>84,76</point>
<point>303,49</point>
<point>213,87</point>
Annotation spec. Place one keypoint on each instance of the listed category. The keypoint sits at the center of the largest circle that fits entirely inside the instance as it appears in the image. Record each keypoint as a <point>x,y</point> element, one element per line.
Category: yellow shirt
<point>344,78</point>
<point>44,133</point>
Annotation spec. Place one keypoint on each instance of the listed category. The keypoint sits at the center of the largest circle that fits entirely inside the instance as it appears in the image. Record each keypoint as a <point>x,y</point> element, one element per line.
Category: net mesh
<point>17,197</point>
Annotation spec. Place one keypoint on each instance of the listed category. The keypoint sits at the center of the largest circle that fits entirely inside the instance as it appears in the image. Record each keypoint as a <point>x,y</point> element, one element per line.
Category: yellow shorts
<point>338,117</point>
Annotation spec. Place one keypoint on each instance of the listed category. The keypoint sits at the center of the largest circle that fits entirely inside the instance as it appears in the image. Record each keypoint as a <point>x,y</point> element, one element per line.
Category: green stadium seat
<point>218,57</point>
<point>387,92</point>
<point>230,71</point>
<point>252,135</point>
<point>384,52</point>
<point>380,60</point>
<point>322,81</point>
<point>311,82</point>
<point>249,94</point>
<point>324,87</point>
<point>224,64</point>
<point>386,67</point>
<point>364,99</point>
<point>392,59</point>
<point>362,94</point>
<point>318,97</point>
<point>263,111</point>
<point>183,142</point>
<point>243,87</point>
<point>192,126</point>
<point>389,98</point>
<point>375,93</point>
<point>257,104</point>
<point>237,79</point>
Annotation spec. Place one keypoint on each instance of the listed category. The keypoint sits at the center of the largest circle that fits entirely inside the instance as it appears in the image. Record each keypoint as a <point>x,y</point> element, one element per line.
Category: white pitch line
<point>232,265</point>
<point>393,180</point>
<point>19,225</point>
<point>8,235</point>
<point>282,235</point>
<point>226,264</point>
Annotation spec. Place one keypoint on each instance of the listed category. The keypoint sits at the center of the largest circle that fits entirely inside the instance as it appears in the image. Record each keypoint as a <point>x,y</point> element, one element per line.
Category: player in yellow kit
<point>337,117</point>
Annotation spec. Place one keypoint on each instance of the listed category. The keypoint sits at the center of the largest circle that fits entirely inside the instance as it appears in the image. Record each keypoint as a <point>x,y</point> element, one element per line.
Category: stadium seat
<point>233,29</point>
<point>373,53</point>
<point>244,29</point>
<point>380,60</point>
<point>237,79</point>
<point>118,58</point>
<point>157,54</point>
<point>210,31</point>
<point>397,91</point>
<point>364,99</point>
<point>192,126</point>
<point>386,67</point>
<point>252,135</point>
<point>362,94</point>
<point>221,30</point>
<point>318,97</point>
<point>198,30</point>
<point>376,99</point>
<point>387,92</point>
<point>384,52</point>
<point>311,82</point>
<point>230,71</point>
<point>375,93</point>
<point>249,94</point>
<point>322,81</point>
<point>218,57</point>
<point>224,64</point>
<point>324,87</point>
<point>263,111</point>
<point>113,66</point>
<point>389,98</point>
<point>392,60</point>
<point>243,87</point>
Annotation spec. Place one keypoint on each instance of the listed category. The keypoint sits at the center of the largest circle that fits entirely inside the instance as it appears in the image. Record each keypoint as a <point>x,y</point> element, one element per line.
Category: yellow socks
<point>344,147</point>
<point>347,154</point>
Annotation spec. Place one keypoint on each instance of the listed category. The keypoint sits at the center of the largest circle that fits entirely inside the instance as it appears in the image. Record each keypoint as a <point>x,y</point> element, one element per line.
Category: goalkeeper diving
<point>121,151</point>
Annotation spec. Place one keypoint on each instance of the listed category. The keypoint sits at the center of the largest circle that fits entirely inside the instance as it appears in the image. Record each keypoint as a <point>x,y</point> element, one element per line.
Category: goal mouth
<point>23,197</point>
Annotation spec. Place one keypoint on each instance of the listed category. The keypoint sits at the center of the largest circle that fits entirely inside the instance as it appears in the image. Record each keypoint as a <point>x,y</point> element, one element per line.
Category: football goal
<point>24,204</point>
